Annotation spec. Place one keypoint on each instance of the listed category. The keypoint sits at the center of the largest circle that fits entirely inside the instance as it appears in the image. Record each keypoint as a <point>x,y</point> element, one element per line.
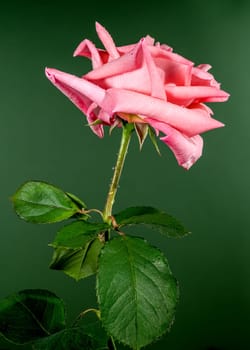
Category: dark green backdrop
<point>43,137</point>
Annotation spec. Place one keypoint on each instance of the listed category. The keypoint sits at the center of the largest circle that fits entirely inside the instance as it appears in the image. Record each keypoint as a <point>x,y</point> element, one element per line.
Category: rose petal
<point>107,41</point>
<point>87,49</point>
<point>124,64</point>
<point>166,52</point>
<point>74,87</point>
<point>126,48</point>
<point>185,95</point>
<point>204,66</point>
<point>91,114</point>
<point>156,81</point>
<point>149,40</point>
<point>189,121</point>
<point>175,69</point>
<point>164,47</point>
<point>81,92</point>
<point>201,76</point>
<point>133,71</point>
<point>202,106</point>
<point>187,150</point>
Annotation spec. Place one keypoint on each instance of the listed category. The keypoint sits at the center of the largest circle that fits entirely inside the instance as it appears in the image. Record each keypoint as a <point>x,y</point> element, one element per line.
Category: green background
<point>43,137</point>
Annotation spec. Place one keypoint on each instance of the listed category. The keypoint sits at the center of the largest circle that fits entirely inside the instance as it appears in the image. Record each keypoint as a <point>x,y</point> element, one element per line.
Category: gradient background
<point>43,137</point>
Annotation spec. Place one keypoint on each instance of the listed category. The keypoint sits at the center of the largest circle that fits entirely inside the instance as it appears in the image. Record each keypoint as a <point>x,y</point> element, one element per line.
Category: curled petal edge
<point>187,150</point>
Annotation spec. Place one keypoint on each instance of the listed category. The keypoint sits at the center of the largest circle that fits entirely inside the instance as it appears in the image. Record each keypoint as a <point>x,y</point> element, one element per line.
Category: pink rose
<point>146,83</point>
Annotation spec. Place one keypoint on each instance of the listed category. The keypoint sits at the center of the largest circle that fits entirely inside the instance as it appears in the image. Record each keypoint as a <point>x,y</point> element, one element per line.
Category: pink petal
<point>87,49</point>
<point>204,107</point>
<point>156,81</point>
<point>187,150</point>
<point>121,65</point>
<point>201,76</point>
<point>71,85</point>
<point>205,67</point>
<point>137,80</point>
<point>81,92</point>
<point>132,71</point>
<point>175,68</point>
<point>189,121</point>
<point>106,117</point>
<point>91,114</point>
<point>164,47</point>
<point>166,52</point>
<point>149,40</point>
<point>185,95</point>
<point>107,41</point>
<point>126,48</point>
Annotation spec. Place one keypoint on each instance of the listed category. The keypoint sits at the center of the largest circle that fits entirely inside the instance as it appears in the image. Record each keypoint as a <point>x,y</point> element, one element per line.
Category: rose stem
<point>125,140</point>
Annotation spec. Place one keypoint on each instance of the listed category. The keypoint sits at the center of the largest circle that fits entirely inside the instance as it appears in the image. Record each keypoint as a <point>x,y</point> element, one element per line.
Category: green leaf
<point>70,339</point>
<point>165,223</point>
<point>77,248</point>
<point>77,263</point>
<point>78,234</point>
<point>39,202</point>
<point>136,291</point>
<point>31,314</point>
<point>80,204</point>
<point>76,200</point>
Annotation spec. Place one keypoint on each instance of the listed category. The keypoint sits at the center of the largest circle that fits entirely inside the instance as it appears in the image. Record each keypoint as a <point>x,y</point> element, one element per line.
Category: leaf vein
<point>34,317</point>
<point>55,206</point>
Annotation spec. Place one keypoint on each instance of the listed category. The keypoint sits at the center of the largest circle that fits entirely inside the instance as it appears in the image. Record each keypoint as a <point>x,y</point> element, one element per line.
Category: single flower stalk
<point>150,82</point>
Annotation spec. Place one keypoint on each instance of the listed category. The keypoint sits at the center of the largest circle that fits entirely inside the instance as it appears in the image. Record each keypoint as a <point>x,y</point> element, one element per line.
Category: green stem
<point>126,136</point>
<point>111,344</point>
<point>83,313</point>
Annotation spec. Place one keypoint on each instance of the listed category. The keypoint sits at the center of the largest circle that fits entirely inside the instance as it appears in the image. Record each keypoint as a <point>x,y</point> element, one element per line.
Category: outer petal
<point>201,76</point>
<point>126,48</point>
<point>82,93</point>
<point>166,52</point>
<point>107,41</point>
<point>71,85</point>
<point>92,117</point>
<point>121,65</point>
<point>185,95</point>
<point>164,47</point>
<point>189,121</point>
<point>187,150</point>
<point>87,49</point>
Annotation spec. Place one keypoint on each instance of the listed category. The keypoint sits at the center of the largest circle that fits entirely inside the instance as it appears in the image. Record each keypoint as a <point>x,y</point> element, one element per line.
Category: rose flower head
<point>146,84</point>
